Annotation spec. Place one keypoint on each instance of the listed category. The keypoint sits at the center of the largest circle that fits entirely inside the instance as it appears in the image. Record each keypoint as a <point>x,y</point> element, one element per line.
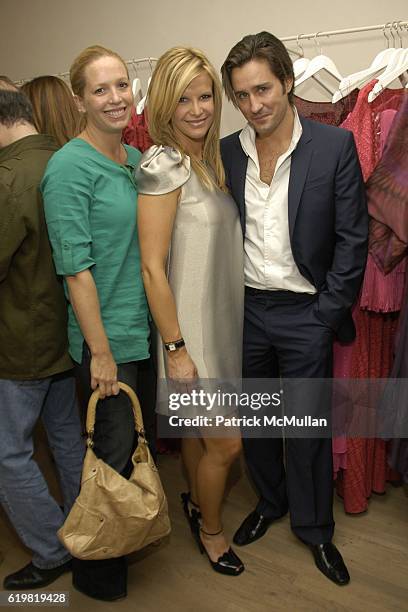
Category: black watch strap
<point>174,345</point>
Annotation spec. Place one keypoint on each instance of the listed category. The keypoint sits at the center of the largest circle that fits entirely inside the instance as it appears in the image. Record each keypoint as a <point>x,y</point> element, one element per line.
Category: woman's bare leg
<point>212,473</point>
<point>192,450</point>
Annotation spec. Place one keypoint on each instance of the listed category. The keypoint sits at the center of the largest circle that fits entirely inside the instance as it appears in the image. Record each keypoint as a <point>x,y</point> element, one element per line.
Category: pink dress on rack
<point>375,316</point>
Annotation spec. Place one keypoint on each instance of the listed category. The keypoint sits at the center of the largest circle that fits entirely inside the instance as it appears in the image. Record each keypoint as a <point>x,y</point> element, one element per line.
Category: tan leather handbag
<point>113,516</point>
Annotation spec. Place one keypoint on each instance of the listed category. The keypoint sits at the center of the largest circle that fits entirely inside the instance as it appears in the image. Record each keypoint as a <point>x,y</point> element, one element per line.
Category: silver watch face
<point>171,346</point>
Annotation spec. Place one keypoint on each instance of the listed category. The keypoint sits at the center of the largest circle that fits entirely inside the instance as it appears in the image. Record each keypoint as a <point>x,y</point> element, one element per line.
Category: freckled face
<point>107,97</point>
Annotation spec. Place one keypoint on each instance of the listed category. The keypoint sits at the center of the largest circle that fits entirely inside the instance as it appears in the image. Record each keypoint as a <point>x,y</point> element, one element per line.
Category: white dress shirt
<point>269,262</point>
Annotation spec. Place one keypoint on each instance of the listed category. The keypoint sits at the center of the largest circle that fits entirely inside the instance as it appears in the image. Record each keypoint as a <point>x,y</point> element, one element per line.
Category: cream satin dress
<point>205,264</point>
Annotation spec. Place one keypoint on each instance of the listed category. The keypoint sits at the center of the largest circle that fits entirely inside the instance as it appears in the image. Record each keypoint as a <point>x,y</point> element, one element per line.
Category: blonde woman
<point>90,198</point>
<point>192,266</point>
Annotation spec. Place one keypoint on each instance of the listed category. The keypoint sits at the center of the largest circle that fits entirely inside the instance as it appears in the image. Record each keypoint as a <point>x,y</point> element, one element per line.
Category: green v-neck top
<point>90,207</point>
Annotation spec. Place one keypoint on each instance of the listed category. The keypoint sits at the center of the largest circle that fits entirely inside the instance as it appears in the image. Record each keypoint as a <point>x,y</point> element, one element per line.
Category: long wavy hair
<point>55,111</point>
<point>173,73</point>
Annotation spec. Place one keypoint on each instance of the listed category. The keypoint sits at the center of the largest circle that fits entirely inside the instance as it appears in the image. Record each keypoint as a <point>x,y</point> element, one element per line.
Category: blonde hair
<point>173,73</point>
<point>80,63</point>
<point>55,111</point>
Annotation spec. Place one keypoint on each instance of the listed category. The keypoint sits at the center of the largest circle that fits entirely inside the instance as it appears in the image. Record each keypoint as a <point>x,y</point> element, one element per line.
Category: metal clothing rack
<point>141,60</point>
<point>382,26</point>
<point>390,26</point>
<point>65,75</point>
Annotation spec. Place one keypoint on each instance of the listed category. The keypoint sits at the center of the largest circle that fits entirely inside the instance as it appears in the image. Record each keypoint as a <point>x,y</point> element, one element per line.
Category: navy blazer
<point>328,219</point>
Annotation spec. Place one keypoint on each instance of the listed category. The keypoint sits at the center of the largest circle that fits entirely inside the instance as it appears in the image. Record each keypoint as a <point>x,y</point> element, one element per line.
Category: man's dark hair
<point>258,46</point>
<point>15,108</point>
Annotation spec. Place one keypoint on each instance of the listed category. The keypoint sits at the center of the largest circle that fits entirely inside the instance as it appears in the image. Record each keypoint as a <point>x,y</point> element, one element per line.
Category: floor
<point>280,574</point>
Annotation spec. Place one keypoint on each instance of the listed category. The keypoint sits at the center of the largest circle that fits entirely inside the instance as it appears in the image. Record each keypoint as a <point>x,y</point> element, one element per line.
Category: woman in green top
<point>90,203</point>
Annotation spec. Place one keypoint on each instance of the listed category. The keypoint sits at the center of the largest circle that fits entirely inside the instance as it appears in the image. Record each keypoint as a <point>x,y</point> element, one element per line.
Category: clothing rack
<point>141,60</point>
<point>65,75</point>
<point>396,25</point>
<point>389,25</point>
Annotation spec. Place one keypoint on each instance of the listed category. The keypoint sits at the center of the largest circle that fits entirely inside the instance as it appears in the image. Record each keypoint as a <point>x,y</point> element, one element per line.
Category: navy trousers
<point>283,337</point>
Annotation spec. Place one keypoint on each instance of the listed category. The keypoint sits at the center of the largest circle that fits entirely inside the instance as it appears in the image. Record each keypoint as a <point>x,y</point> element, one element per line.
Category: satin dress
<point>205,266</point>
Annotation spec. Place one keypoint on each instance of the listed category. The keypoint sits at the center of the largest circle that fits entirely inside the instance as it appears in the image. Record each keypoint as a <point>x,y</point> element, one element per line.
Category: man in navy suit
<point>299,189</point>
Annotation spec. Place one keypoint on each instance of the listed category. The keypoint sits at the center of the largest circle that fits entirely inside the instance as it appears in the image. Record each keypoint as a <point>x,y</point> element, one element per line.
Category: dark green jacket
<point>33,314</point>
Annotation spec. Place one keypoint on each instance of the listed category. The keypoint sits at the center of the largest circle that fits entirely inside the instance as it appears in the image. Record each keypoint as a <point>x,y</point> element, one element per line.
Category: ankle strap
<point>211,534</point>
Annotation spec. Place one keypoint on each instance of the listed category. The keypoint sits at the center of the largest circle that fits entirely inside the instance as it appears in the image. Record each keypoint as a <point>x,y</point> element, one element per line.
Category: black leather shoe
<point>330,562</point>
<point>228,564</point>
<point>254,527</point>
<point>32,577</point>
<point>192,512</point>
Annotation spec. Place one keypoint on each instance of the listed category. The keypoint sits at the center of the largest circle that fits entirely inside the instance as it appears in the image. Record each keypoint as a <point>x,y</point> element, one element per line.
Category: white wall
<point>43,36</point>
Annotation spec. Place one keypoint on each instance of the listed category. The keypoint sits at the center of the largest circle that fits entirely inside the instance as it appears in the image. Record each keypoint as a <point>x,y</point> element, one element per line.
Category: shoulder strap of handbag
<point>93,400</point>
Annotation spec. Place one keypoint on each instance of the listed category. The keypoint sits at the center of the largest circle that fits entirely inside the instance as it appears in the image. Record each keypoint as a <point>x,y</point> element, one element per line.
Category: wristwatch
<point>175,345</point>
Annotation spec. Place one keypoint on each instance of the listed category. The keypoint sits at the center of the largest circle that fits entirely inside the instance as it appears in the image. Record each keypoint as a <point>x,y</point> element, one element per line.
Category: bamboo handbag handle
<point>137,413</point>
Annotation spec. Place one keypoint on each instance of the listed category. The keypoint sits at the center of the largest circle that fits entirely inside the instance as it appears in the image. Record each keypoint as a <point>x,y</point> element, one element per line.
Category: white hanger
<point>141,105</point>
<point>136,87</point>
<point>136,84</point>
<point>396,68</point>
<point>300,64</point>
<point>318,63</point>
<point>358,79</point>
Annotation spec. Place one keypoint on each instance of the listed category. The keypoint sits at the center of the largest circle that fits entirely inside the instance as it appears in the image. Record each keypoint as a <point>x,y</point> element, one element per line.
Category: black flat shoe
<point>330,562</point>
<point>228,564</point>
<point>191,511</point>
<point>32,577</point>
<point>253,527</point>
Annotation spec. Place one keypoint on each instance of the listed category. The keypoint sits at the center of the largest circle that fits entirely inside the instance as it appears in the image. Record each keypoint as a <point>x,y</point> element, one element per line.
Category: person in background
<point>189,227</point>
<point>55,111</point>
<point>36,378</point>
<point>90,197</point>
<point>7,83</point>
<point>300,193</point>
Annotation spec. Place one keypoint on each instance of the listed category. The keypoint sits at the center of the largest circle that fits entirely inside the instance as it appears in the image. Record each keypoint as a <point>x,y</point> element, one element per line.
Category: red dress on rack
<point>327,112</point>
<point>333,114</point>
<point>136,132</point>
<point>375,316</point>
